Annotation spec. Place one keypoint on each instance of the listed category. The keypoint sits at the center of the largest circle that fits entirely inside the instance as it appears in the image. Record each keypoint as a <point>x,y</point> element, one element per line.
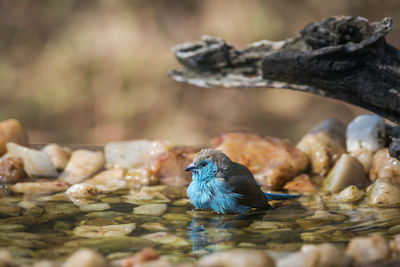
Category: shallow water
<point>43,227</point>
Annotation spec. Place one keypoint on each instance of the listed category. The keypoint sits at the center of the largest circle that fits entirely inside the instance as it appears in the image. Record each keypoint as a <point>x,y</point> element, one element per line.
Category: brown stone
<point>12,131</point>
<point>300,184</point>
<point>12,170</point>
<point>273,161</point>
<point>383,165</point>
<point>324,144</point>
<point>169,166</point>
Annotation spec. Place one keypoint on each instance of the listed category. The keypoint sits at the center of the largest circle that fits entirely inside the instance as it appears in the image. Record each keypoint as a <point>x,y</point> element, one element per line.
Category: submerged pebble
<point>177,217</point>
<point>93,231</point>
<point>154,226</point>
<point>270,225</point>
<point>95,207</point>
<point>9,210</point>
<point>59,210</point>
<point>182,202</point>
<point>167,238</point>
<point>151,209</point>
<point>12,228</point>
<point>320,217</point>
<point>112,244</point>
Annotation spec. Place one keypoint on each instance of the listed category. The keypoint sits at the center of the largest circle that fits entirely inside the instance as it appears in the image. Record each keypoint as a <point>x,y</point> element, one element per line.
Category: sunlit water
<point>33,236</point>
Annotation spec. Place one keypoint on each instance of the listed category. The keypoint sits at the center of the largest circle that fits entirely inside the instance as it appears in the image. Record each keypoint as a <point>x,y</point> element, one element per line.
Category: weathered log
<point>345,58</point>
<point>349,60</point>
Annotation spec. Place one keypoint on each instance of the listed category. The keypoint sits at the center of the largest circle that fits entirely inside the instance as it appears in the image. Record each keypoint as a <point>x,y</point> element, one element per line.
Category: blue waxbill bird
<point>225,186</point>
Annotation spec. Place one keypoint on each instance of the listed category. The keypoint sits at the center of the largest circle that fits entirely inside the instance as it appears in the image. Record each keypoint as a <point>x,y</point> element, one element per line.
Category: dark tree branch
<point>345,58</point>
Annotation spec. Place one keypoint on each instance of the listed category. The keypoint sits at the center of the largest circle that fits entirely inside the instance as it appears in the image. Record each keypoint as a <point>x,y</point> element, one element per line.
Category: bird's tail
<point>277,196</point>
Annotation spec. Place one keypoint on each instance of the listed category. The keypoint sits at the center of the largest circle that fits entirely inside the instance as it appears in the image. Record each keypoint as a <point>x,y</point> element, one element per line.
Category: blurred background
<point>95,71</point>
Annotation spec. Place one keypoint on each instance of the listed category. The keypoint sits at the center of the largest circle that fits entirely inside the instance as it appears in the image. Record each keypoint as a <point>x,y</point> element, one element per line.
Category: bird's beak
<point>191,167</point>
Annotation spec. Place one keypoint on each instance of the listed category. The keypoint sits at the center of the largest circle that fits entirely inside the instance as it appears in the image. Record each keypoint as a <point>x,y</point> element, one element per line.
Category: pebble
<point>151,209</point>
<point>365,135</point>
<point>153,226</point>
<point>59,155</point>
<point>238,258</point>
<point>93,231</point>
<point>350,194</point>
<point>85,258</point>
<point>383,165</point>
<point>384,192</point>
<point>347,171</point>
<point>95,207</point>
<point>133,154</point>
<point>326,255</point>
<point>36,163</point>
<point>83,164</point>
<point>324,144</point>
<point>167,238</point>
<point>366,250</point>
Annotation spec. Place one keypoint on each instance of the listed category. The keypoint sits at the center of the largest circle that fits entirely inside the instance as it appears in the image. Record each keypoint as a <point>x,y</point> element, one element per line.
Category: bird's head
<point>209,163</point>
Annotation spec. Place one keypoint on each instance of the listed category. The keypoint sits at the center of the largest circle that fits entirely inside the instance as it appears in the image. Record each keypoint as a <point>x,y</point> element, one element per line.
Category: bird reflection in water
<point>210,231</point>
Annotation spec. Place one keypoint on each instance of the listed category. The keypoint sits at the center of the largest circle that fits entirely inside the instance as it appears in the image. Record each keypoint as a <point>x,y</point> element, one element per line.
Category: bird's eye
<point>203,164</point>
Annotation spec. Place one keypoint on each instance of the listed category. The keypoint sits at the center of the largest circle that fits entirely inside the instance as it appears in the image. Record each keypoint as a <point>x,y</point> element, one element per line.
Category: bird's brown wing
<point>242,182</point>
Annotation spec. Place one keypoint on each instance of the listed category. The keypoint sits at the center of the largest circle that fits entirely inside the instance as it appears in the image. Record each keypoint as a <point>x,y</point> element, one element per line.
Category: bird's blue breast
<point>215,195</point>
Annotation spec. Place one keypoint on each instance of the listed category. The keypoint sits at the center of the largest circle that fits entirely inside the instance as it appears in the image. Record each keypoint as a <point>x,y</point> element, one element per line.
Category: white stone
<point>132,154</point>
<point>83,164</point>
<point>36,163</point>
<point>59,155</point>
<point>366,134</point>
<point>113,179</point>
